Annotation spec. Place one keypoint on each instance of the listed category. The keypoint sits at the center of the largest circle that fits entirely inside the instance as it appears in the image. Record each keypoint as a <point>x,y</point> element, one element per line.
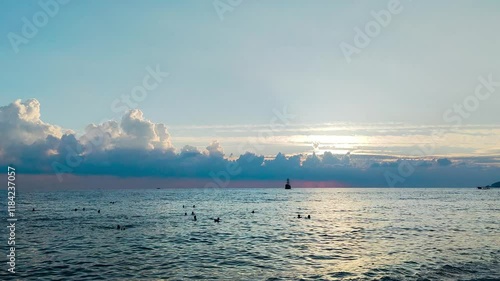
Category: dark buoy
<point>84,209</point>
<point>98,211</point>
<point>253,212</point>
<point>33,210</point>
<point>194,218</point>
<point>309,216</point>
<point>192,213</point>
<point>194,206</point>
<point>287,185</point>
<point>185,214</point>
<point>118,227</point>
<point>76,209</point>
<point>183,206</point>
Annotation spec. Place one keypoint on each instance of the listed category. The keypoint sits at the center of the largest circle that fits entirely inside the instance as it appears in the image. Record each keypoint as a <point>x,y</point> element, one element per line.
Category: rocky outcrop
<point>497,184</point>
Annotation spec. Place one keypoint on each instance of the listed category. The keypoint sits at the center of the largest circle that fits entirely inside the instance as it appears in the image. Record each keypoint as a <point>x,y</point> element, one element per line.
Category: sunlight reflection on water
<point>354,234</point>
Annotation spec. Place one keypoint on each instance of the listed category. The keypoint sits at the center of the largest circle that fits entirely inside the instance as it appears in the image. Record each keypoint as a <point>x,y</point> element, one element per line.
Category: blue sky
<point>263,55</point>
<point>229,76</point>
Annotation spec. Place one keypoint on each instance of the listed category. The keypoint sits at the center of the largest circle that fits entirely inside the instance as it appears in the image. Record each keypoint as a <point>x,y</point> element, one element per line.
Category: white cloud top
<point>20,123</point>
<point>136,146</point>
<point>132,132</point>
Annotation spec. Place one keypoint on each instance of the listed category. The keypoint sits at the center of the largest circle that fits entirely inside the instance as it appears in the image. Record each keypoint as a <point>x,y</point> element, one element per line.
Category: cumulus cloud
<point>189,150</point>
<point>20,123</point>
<point>330,159</point>
<point>444,162</point>
<point>137,147</point>
<point>215,149</point>
<point>133,132</point>
<point>312,161</point>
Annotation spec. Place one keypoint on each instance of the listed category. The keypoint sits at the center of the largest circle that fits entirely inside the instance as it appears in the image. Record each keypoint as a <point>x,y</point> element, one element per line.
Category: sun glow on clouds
<point>391,139</point>
<point>317,156</point>
<point>20,121</point>
<point>331,142</point>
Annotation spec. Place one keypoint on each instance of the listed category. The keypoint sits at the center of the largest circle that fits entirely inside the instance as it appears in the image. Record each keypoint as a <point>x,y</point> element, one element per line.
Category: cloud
<point>137,147</point>
<point>133,132</point>
<point>330,159</point>
<point>189,150</point>
<point>215,149</point>
<point>20,123</point>
<point>444,162</point>
<point>385,138</point>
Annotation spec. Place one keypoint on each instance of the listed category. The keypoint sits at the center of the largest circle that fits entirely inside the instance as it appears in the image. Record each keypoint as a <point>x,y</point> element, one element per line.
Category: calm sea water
<point>354,234</point>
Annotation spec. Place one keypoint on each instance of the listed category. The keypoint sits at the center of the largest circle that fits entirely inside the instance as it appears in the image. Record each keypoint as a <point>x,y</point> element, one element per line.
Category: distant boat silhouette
<point>287,185</point>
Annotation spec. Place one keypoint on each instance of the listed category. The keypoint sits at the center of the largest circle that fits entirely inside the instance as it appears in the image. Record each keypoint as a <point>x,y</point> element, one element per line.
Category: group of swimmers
<point>76,209</point>
<point>98,211</point>
<point>118,227</point>
<point>194,215</point>
<point>218,219</point>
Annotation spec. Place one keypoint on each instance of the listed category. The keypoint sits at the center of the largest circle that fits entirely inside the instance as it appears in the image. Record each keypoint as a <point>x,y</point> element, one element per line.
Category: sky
<point>370,83</point>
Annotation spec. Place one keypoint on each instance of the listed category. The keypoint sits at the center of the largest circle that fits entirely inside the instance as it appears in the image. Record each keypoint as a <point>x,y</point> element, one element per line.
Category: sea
<point>352,234</point>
